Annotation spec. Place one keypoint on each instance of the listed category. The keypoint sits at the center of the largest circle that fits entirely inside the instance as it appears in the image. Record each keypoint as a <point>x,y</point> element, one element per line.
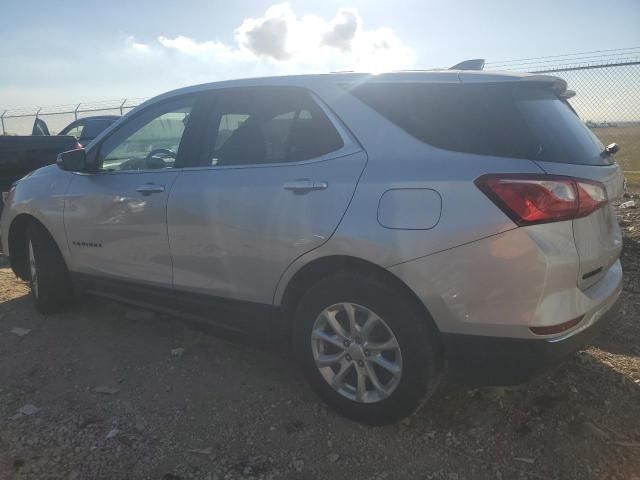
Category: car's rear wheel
<point>49,278</point>
<point>366,348</point>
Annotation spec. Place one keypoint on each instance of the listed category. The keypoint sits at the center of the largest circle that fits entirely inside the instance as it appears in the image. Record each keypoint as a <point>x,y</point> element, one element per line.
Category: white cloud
<point>190,47</point>
<point>137,47</point>
<point>343,29</point>
<point>280,42</point>
<point>267,36</point>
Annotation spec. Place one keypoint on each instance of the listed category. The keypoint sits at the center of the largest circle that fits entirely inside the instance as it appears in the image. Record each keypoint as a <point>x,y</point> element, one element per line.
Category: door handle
<point>304,185</point>
<point>149,188</point>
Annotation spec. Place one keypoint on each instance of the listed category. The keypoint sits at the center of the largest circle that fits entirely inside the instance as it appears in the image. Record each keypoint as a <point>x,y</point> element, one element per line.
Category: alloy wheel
<point>356,352</point>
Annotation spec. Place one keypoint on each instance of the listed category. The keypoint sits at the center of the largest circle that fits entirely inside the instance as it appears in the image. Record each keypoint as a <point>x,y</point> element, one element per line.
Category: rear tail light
<point>529,199</point>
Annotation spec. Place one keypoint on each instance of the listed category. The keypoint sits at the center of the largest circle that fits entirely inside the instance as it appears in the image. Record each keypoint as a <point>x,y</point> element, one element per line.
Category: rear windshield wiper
<point>610,149</point>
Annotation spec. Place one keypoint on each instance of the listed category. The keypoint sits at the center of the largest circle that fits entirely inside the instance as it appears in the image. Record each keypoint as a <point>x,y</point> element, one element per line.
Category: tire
<point>418,352</point>
<point>49,277</point>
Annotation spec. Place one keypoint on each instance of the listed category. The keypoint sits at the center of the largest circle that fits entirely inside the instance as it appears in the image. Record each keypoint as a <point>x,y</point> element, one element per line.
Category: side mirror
<point>73,160</point>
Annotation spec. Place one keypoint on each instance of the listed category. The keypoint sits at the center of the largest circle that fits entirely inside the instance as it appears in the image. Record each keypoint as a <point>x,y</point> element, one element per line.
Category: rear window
<point>499,119</point>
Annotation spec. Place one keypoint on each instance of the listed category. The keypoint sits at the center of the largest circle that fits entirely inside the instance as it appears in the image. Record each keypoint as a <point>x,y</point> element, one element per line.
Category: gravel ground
<point>102,392</point>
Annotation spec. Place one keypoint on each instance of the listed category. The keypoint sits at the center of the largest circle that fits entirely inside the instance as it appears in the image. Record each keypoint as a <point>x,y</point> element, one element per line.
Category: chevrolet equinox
<point>393,226</point>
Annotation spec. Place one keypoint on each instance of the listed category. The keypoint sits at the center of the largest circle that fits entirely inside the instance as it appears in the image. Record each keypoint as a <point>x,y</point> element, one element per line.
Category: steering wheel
<point>161,151</point>
<point>151,162</point>
<point>153,159</point>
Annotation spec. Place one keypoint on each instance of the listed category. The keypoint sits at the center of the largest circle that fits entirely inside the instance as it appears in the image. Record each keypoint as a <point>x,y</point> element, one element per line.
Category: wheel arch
<point>319,268</point>
<point>17,245</point>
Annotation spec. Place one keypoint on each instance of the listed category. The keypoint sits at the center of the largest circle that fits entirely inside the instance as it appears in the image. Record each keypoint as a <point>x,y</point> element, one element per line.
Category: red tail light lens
<point>556,328</point>
<point>532,198</point>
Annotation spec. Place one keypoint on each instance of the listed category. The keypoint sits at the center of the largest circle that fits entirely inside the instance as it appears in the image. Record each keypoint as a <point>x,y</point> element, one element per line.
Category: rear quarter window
<point>497,119</point>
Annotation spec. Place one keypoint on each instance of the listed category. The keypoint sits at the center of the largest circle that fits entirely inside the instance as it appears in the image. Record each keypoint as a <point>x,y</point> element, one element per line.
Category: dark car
<point>83,129</point>
<point>21,154</point>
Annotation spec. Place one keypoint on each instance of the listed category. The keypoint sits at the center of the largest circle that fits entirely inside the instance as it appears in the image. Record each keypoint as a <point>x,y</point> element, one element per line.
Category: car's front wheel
<point>49,278</point>
<point>366,348</point>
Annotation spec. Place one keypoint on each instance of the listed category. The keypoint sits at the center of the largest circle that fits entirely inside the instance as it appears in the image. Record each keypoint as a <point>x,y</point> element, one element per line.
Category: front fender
<point>41,196</point>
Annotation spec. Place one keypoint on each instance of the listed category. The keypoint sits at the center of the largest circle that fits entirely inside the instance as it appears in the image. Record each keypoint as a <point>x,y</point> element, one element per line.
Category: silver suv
<point>394,226</point>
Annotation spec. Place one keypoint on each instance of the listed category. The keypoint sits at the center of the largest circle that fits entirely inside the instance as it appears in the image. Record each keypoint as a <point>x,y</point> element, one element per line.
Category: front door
<point>274,179</point>
<point>115,219</point>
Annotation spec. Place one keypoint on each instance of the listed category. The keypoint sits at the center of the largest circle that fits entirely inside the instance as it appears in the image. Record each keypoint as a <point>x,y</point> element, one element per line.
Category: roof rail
<point>473,64</point>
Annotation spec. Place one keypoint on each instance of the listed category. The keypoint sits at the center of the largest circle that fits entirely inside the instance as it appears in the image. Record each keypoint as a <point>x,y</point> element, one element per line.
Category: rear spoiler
<point>557,84</point>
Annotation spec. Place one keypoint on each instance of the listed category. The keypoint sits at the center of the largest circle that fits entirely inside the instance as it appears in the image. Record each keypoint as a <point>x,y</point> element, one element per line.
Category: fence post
<point>122,105</point>
<point>75,112</point>
<point>2,118</point>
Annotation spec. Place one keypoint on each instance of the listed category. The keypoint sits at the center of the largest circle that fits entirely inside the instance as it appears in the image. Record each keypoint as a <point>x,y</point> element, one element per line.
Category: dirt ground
<point>226,409</point>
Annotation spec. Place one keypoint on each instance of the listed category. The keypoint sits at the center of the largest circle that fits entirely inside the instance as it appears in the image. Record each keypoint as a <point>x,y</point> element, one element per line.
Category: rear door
<point>276,174</point>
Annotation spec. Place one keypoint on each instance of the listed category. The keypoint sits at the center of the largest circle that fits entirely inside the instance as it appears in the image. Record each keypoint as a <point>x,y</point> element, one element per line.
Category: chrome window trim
<point>122,172</point>
<point>324,158</point>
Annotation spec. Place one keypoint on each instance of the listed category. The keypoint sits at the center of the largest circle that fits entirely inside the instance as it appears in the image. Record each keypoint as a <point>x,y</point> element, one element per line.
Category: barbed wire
<point>99,105</point>
<point>566,63</point>
<point>568,56</point>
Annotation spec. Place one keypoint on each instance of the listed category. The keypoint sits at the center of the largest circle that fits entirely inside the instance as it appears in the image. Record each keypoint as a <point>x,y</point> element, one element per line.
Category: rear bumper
<point>482,360</point>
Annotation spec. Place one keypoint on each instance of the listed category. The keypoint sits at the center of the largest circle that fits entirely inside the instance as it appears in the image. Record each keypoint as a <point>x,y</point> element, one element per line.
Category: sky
<point>59,52</point>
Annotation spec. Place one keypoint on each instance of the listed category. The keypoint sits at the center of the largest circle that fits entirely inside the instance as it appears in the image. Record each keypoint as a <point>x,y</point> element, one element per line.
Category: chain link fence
<point>20,121</point>
<point>607,86</point>
<point>608,100</point>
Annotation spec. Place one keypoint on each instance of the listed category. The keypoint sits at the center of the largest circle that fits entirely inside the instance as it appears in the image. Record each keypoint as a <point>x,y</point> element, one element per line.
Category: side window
<point>229,123</point>
<point>150,140</point>
<point>75,131</point>
<point>261,125</point>
<point>93,128</point>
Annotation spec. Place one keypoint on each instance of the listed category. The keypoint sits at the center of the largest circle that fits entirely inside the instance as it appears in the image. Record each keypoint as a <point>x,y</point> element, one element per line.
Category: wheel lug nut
<point>366,352</point>
<point>347,343</point>
<point>360,363</point>
<point>348,358</point>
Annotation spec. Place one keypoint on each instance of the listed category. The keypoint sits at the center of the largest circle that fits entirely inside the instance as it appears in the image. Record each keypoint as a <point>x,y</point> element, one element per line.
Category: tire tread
<point>55,289</point>
<point>418,335</point>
